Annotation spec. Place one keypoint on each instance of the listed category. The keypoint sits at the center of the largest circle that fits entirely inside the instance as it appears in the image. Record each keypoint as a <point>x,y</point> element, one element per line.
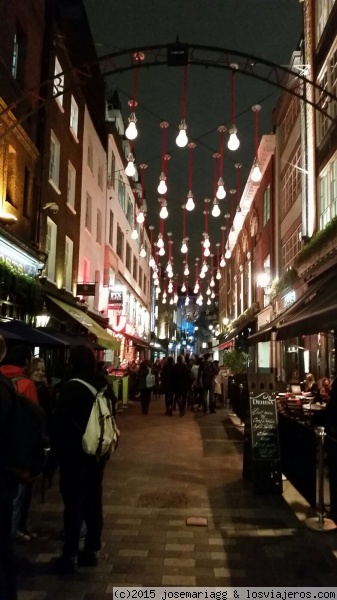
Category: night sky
<point>269,29</point>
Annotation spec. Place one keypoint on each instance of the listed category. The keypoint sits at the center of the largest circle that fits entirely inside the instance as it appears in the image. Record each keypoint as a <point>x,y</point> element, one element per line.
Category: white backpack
<point>150,380</point>
<point>101,434</point>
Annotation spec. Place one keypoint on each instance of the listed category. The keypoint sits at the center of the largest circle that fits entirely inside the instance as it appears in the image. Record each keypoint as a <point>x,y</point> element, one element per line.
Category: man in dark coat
<point>81,475</point>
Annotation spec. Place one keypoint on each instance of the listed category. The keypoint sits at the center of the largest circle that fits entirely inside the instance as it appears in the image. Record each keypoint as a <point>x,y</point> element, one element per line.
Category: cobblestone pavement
<point>165,471</point>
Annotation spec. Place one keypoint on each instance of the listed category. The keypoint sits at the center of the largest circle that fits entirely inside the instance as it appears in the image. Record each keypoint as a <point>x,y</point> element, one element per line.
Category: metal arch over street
<point>289,80</point>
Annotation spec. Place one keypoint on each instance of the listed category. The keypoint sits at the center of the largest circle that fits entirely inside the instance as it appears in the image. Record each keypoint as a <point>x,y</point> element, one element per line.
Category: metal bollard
<point>320,523</point>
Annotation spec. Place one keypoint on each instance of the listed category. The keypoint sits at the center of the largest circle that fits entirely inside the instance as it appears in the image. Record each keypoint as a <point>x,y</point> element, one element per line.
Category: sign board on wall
<point>115,299</point>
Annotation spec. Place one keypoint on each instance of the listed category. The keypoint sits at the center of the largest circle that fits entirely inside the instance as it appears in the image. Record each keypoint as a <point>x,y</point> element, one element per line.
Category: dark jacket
<point>72,414</point>
<point>167,378</point>
<point>182,378</point>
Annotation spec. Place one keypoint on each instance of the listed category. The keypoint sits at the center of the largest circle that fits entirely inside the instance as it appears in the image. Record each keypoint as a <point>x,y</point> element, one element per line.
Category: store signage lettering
<point>115,299</point>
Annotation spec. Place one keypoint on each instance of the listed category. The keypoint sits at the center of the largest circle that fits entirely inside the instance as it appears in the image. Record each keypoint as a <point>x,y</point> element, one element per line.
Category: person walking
<point>81,474</point>
<point>206,375</point>
<point>182,378</point>
<point>144,389</point>
<point>167,384</point>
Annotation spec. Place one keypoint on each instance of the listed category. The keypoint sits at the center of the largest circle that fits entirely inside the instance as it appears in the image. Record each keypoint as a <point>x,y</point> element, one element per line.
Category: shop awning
<point>72,340</point>
<point>137,341</point>
<point>225,345</point>
<point>263,335</point>
<point>318,314</point>
<point>103,337</point>
<point>29,335</point>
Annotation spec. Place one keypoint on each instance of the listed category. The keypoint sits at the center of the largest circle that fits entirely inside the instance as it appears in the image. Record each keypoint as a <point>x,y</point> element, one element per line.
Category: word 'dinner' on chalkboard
<point>263,414</point>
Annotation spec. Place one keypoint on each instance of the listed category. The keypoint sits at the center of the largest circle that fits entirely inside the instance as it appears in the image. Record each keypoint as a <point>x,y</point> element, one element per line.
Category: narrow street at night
<point>165,471</point>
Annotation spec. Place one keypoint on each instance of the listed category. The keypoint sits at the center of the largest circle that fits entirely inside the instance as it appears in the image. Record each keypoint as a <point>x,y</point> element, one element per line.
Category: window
<point>291,182</point>
<point>322,120</point>
<point>86,270</point>
<point>130,212</point>
<point>26,208</point>
<point>19,56</point>
<point>71,184</point>
<point>100,176</point>
<point>135,268</point>
<point>140,279</point>
<point>323,10</point>
<point>99,227</point>
<point>51,248</point>
<point>88,205</point>
<point>121,193</point>
<point>266,205</point>
<point>111,228</point>
<point>68,264</point>
<point>289,120</point>
<point>291,248</point>
<point>128,257</point>
<point>58,83</point>
<point>145,284</point>
<point>74,116</point>
<point>120,243</point>
<point>90,155</point>
<point>112,171</point>
<point>54,160</point>
<point>327,194</point>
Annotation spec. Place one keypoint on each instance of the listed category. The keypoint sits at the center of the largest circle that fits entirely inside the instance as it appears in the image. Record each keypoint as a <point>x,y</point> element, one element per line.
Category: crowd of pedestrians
<point>189,382</point>
<point>57,424</point>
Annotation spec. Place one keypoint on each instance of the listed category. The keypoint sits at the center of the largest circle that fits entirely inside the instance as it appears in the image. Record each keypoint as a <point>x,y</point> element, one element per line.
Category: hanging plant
<point>317,243</point>
<point>25,290</point>
<point>249,312</point>
<point>287,280</point>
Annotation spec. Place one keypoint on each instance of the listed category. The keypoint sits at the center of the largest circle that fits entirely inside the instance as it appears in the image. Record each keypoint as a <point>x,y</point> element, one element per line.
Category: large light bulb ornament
<point>130,169</point>
<point>163,211</point>
<point>206,242</point>
<point>233,142</point>
<point>160,242</point>
<point>152,262</point>
<point>161,251</point>
<point>190,202</point>
<point>131,130</point>
<point>212,295</point>
<point>187,301</point>
<point>162,187</point>
<point>196,288</point>
<point>183,287</point>
<point>221,192</point>
<point>182,139</point>
<point>212,282</point>
<point>208,291</point>
<point>256,174</point>
<point>142,252</point>
<point>186,271</point>
<point>208,301</point>
<point>184,248</point>
<point>207,252</point>
<point>222,261</point>
<point>218,274</point>
<point>134,234</point>
<point>140,217</point>
<point>215,209</point>
<point>202,274</point>
<point>228,253</point>
<point>170,287</point>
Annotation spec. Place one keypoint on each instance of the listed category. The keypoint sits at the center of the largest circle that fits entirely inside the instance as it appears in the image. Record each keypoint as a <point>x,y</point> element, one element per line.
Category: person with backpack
<point>206,374</point>
<point>81,469</point>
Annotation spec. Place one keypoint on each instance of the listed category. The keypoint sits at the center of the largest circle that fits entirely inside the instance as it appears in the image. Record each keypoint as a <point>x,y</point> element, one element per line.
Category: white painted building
<point>93,217</point>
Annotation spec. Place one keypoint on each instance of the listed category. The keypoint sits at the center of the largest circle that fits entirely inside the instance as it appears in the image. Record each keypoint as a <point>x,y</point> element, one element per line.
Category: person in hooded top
<point>81,474</point>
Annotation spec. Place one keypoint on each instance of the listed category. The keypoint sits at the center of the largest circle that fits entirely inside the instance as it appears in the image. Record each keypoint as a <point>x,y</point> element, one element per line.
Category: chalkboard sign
<point>264,429</point>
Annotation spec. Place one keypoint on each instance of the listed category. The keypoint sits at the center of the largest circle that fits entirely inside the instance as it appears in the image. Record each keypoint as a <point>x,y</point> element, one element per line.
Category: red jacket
<point>24,386</point>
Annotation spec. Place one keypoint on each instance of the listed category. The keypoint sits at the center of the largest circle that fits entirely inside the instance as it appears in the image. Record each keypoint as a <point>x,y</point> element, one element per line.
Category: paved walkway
<point>166,470</point>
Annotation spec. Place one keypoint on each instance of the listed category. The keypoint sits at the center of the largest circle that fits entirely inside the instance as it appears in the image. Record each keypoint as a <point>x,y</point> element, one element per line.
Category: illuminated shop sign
<point>289,298</point>
<point>115,298</point>
<point>19,258</point>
